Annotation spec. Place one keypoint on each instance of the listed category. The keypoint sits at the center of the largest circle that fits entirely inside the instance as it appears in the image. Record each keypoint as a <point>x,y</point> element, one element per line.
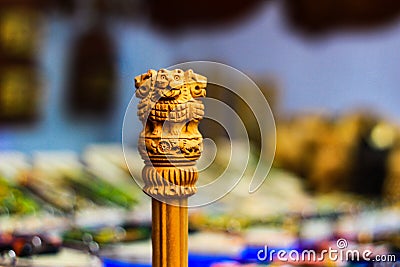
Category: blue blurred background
<point>335,71</point>
<point>330,70</point>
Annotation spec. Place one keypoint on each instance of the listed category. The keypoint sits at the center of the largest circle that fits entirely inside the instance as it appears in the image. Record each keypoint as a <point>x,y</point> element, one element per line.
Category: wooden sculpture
<point>170,144</point>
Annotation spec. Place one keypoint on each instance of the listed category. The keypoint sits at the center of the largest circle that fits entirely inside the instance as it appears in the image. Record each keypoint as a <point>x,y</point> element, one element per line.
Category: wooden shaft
<point>170,143</point>
<point>170,234</point>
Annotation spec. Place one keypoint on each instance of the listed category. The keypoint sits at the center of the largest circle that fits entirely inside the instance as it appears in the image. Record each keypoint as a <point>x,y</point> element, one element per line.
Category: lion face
<point>169,82</point>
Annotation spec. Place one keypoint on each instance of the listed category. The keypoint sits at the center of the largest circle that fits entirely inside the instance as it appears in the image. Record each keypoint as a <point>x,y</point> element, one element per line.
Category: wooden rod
<point>169,234</point>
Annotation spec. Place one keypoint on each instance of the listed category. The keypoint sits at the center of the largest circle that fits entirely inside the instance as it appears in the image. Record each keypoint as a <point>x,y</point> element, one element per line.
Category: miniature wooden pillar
<point>170,144</point>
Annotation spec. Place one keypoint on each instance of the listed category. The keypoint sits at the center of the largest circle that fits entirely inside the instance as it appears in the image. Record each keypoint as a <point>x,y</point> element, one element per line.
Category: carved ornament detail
<point>170,141</point>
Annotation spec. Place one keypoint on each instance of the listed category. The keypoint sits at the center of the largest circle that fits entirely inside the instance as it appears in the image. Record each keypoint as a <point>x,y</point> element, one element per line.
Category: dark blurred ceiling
<point>180,14</point>
<point>318,17</point>
<point>312,17</point>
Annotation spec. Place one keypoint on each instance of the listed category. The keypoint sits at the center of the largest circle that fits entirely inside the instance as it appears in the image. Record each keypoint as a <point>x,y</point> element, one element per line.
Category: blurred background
<point>329,69</point>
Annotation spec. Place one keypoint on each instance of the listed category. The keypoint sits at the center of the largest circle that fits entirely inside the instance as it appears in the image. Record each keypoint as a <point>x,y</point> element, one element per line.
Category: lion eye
<point>177,77</point>
<point>163,77</point>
